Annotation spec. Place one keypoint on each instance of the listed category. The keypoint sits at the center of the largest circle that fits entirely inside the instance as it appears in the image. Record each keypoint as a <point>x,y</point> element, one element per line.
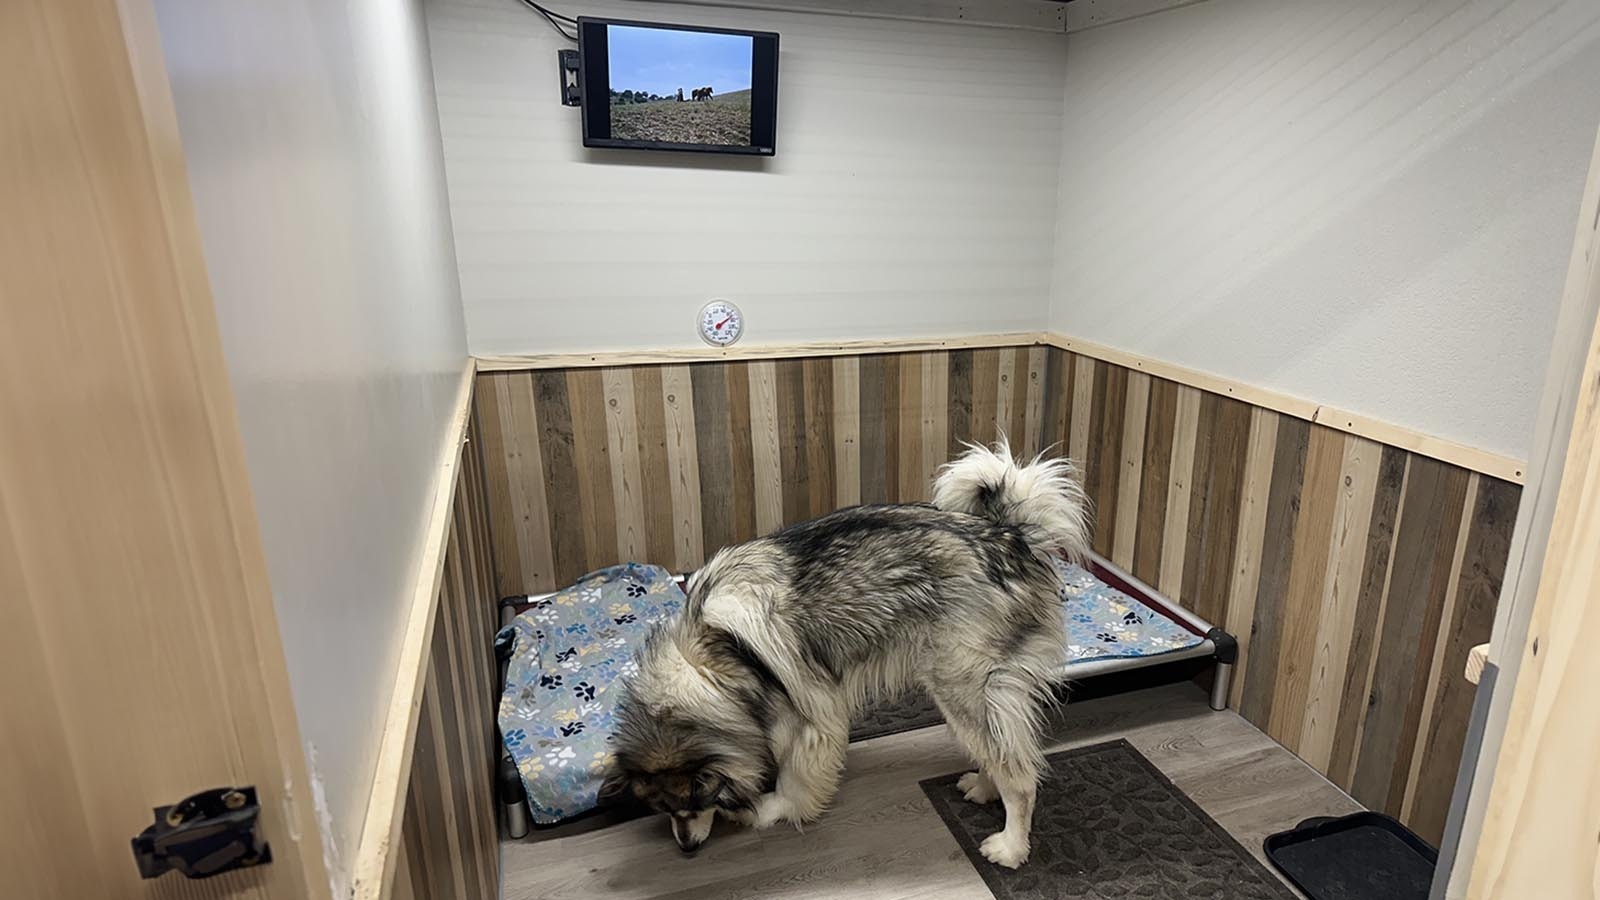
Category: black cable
<point>555,19</point>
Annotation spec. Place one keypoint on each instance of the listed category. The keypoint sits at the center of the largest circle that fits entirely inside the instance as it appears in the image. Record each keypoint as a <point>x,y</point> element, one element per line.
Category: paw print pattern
<point>584,690</point>
<point>635,589</point>
<point>550,681</point>
<point>571,729</point>
<point>566,654</point>
<point>1108,638</point>
<point>1133,618</point>
<point>515,737</point>
<point>625,619</point>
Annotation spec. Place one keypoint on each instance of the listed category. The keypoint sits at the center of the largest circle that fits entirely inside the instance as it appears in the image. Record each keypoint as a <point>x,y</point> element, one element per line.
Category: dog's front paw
<point>1000,849</point>
<point>978,788</point>
<point>772,809</point>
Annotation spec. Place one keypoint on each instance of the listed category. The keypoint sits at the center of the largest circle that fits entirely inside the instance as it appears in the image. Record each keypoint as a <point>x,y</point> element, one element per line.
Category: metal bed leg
<point>513,799</point>
<point>1220,684</point>
<point>1227,655</point>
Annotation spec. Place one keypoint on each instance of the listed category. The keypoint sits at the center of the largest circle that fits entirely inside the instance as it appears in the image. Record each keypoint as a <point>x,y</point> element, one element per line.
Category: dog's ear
<point>613,787</point>
<point>708,787</point>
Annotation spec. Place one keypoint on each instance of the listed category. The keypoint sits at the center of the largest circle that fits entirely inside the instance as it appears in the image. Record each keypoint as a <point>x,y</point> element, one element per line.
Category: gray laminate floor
<point>883,841</point>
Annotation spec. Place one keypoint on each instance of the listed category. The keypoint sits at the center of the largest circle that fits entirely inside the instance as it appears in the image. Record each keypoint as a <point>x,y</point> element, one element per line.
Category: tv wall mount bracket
<point>571,93</point>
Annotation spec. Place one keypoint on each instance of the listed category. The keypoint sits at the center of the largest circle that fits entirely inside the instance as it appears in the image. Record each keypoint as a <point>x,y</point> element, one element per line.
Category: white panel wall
<point>1368,204</point>
<point>912,192</point>
<point>312,142</point>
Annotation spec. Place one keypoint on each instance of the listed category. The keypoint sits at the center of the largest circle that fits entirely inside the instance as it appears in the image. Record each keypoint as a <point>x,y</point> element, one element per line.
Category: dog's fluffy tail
<point>1044,498</point>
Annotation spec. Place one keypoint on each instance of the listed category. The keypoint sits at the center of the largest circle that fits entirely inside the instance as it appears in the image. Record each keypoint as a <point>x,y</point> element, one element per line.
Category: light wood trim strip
<point>1483,461</point>
<point>377,853</point>
<point>1476,660</point>
<point>495,363</point>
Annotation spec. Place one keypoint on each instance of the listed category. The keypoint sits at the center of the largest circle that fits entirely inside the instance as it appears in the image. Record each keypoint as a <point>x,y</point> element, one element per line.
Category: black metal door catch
<point>207,834</point>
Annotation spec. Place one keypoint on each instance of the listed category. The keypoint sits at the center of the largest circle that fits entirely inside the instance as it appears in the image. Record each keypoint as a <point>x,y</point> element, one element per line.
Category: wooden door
<point>1540,830</point>
<point>139,654</point>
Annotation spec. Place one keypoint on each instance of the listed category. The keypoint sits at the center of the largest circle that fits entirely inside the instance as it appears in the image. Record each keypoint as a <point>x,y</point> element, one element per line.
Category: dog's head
<point>685,746</point>
<point>684,769</point>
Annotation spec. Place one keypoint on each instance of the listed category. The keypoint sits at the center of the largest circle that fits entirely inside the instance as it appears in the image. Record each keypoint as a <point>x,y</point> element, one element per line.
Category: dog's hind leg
<point>997,726</point>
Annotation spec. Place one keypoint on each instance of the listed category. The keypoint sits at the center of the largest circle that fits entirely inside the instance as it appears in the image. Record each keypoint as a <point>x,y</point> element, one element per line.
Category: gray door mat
<point>1108,825</point>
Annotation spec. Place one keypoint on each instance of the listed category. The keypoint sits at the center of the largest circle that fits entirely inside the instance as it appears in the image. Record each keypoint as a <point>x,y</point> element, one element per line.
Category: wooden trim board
<point>378,852</point>
<point>1484,462</point>
<point>752,351</point>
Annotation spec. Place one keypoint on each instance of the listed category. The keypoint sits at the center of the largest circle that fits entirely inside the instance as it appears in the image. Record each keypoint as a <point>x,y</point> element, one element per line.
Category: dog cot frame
<point>1214,644</point>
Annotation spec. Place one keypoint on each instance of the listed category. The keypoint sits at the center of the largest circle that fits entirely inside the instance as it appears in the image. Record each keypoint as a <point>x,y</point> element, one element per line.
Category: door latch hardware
<point>207,834</point>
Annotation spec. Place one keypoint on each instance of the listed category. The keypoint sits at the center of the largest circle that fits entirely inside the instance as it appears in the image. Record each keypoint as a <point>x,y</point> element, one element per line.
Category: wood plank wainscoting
<point>431,831</point>
<point>1356,574</point>
<point>450,844</point>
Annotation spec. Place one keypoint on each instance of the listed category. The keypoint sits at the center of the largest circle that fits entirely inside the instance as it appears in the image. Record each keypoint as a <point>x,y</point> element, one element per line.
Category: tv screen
<point>650,86</point>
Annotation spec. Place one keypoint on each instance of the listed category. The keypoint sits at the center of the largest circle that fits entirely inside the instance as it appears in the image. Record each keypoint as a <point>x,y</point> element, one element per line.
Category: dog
<point>741,705</point>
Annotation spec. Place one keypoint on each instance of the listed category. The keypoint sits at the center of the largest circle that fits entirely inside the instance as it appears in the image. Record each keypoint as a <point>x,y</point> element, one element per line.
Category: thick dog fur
<point>742,704</point>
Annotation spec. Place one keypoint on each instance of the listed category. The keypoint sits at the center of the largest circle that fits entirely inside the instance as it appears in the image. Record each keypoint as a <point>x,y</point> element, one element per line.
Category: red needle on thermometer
<point>724,322</point>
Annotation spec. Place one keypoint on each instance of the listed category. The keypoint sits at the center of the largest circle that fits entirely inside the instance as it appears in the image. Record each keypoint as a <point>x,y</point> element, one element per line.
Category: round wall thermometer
<point>721,323</point>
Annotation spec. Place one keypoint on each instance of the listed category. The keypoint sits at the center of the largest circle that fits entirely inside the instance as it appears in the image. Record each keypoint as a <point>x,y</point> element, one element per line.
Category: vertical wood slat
<point>764,442</point>
<point>935,416</point>
<point>1083,375</point>
<point>1038,368</point>
<point>985,395</point>
<point>592,458</point>
<point>683,467</point>
<point>627,479</point>
<point>1251,542</point>
<point>1161,419</point>
<point>821,450</point>
<point>1135,415</point>
<point>1005,396</point>
<point>912,487</point>
<point>1175,534</point>
<point>651,421</point>
<point>796,480</point>
<point>847,430</point>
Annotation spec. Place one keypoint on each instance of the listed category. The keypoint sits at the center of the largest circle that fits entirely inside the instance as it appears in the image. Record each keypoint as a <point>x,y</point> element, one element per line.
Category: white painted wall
<point>911,194</point>
<point>1368,204</point>
<point>312,141</point>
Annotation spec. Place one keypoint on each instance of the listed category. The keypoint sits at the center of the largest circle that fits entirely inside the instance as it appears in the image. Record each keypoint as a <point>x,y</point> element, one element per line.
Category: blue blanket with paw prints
<point>570,651</point>
<point>569,654</point>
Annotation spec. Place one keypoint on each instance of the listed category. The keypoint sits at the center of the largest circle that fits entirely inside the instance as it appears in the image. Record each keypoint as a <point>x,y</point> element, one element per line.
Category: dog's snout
<point>690,831</point>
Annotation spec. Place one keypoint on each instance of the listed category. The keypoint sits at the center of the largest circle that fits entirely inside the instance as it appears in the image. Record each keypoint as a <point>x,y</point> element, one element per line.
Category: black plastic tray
<point>1362,856</point>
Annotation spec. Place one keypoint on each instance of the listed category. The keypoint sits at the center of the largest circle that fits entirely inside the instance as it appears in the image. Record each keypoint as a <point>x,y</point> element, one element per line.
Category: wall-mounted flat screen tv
<point>652,86</point>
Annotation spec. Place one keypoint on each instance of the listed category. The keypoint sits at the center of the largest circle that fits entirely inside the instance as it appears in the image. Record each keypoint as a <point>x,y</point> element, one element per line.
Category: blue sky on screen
<point>661,60</point>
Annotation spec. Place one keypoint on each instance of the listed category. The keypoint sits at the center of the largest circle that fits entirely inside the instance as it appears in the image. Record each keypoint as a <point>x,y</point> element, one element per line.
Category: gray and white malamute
<point>742,704</point>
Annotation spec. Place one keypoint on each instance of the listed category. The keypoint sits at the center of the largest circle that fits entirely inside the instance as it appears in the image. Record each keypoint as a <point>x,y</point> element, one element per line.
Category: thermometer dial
<point>721,323</point>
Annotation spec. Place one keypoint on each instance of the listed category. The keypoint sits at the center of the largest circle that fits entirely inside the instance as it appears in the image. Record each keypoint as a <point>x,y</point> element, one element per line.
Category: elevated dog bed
<point>565,653</point>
